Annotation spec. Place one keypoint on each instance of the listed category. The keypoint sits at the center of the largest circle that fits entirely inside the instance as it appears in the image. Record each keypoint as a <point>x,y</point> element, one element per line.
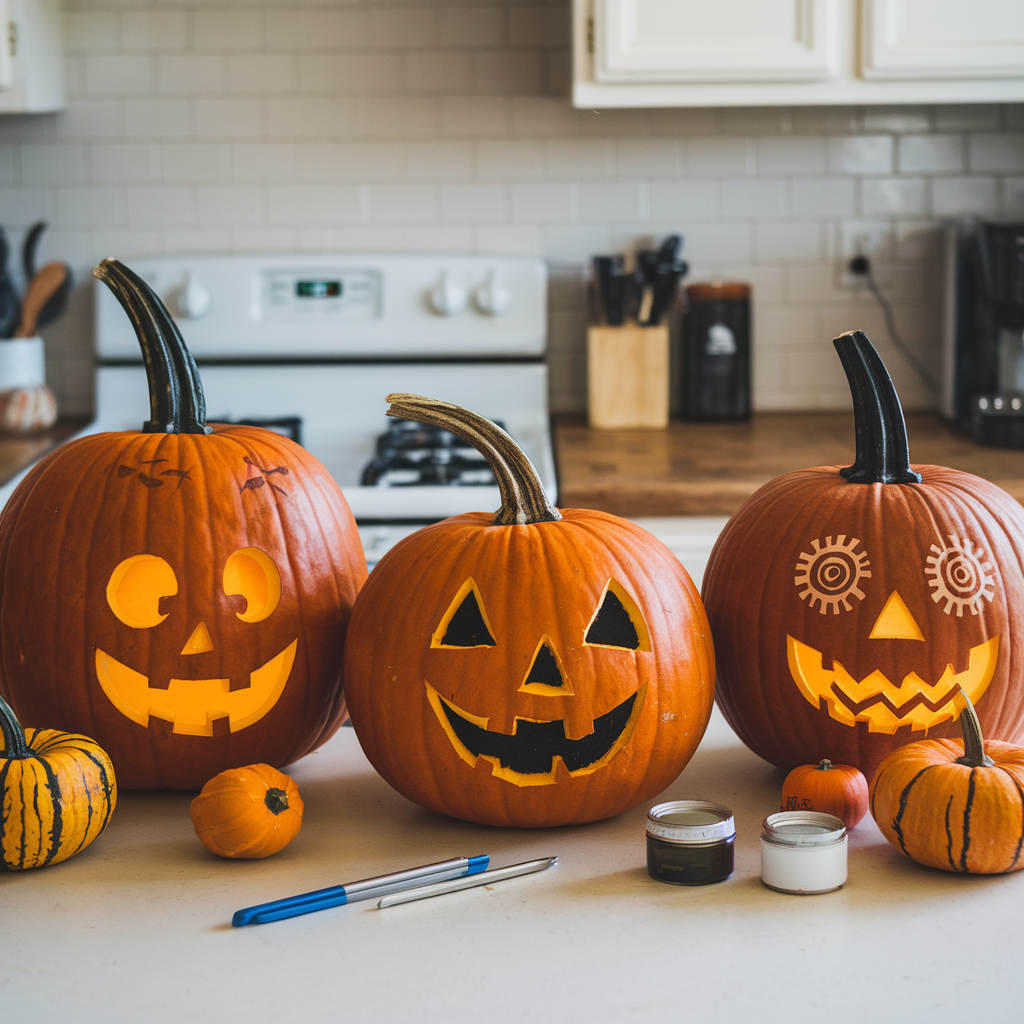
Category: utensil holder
<point>627,377</point>
<point>22,363</point>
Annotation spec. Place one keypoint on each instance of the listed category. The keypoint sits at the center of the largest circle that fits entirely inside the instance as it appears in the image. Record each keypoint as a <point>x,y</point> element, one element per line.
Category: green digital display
<point>318,289</point>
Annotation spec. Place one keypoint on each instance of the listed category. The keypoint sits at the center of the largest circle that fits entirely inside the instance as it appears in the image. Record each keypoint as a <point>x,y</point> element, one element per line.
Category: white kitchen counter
<point>137,927</point>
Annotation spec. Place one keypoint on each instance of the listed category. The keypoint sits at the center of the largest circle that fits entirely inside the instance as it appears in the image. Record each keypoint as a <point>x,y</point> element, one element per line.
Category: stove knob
<point>192,300</point>
<point>447,298</point>
<point>491,298</point>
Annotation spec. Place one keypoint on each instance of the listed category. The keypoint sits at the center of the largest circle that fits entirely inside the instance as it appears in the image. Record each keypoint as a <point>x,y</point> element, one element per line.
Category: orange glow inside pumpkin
<point>134,591</point>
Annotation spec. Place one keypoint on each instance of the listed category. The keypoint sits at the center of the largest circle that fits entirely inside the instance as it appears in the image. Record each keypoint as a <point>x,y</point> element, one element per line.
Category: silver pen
<point>423,892</point>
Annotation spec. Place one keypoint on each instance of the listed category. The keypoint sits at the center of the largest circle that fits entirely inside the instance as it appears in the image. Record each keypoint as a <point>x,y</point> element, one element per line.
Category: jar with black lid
<point>716,352</point>
<point>690,842</point>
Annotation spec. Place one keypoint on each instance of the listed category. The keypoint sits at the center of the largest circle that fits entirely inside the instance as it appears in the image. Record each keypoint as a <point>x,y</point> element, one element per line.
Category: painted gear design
<point>960,576</point>
<point>830,575</point>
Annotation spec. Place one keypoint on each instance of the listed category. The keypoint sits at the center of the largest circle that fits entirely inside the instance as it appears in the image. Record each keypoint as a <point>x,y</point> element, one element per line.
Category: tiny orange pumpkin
<point>838,789</point>
<point>957,807</point>
<point>248,813</point>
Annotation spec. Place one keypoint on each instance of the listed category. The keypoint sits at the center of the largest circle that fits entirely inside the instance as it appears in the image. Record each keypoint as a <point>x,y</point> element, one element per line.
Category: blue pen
<point>364,889</point>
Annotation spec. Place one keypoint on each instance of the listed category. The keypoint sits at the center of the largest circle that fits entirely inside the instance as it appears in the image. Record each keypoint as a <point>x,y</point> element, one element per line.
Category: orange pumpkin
<point>954,806</point>
<point>247,813</point>
<point>850,606</point>
<point>837,789</point>
<point>527,667</point>
<point>180,593</point>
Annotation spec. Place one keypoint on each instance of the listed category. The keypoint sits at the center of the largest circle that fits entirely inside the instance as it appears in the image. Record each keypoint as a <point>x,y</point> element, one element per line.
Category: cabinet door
<point>720,41</point>
<point>8,41</point>
<point>943,39</point>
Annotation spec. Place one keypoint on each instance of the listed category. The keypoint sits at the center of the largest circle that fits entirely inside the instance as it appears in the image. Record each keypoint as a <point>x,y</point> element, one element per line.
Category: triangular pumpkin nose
<point>199,642</point>
<point>895,622</point>
<point>545,676</point>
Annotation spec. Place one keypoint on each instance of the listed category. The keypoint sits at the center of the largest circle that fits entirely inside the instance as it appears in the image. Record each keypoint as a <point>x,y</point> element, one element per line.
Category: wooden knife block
<point>627,377</point>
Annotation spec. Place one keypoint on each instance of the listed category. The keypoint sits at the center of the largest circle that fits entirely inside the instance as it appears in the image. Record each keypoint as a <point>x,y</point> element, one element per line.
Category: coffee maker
<point>982,378</point>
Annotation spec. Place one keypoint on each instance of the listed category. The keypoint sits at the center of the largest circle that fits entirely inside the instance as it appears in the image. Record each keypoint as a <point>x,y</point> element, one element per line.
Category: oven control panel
<point>334,294</point>
<point>338,306</point>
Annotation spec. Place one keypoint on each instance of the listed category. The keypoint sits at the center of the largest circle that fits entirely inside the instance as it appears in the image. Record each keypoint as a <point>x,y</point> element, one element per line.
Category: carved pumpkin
<point>57,793</point>
<point>247,813</point>
<point>837,789</point>
<point>952,805</point>
<point>527,667</point>
<point>181,592</point>
<point>850,606</point>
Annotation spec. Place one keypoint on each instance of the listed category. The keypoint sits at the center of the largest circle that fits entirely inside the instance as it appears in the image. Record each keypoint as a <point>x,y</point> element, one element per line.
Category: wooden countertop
<point>711,468</point>
<point>19,451</point>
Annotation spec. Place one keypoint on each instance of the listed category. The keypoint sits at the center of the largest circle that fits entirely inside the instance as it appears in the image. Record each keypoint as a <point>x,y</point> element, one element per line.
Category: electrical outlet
<point>873,239</point>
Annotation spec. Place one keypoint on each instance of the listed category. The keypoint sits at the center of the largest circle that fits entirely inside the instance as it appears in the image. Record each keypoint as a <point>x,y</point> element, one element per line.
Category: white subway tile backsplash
<point>930,154</point>
<point>156,30</point>
<point>861,154</point>
<point>959,196</point>
<point>996,152</point>
<point>896,197</point>
<point>444,125</point>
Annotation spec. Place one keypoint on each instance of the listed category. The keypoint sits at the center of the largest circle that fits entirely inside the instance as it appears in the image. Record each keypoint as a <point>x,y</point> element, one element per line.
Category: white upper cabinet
<point>31,57</point>
<point>723,41</point>
<point>937,39</point>
<point>651,53</point>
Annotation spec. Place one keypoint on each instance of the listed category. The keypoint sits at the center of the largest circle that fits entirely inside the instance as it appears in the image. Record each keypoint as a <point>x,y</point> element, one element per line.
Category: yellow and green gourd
<point>58,792</point>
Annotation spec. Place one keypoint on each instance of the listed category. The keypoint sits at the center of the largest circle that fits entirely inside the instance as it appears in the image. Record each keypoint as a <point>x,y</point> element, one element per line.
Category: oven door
<point>341,412</point>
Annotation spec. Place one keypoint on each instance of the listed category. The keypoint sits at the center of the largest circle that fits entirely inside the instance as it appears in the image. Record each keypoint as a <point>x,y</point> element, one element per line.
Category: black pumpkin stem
<point>974,744</point>
<point>15,745</point>
<point>276,800</point>
<point>883,456</point>
<point>176,401</point>
<point>523,499</point>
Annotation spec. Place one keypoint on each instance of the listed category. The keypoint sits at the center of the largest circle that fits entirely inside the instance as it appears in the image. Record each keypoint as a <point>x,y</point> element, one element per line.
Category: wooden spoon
<point>41,289</point>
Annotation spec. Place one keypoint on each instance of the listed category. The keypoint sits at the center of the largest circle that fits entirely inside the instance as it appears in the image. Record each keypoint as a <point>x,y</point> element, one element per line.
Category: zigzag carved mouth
<point>527,756</point>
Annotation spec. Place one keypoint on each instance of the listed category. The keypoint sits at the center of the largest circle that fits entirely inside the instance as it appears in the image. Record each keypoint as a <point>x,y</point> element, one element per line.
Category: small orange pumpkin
<point>248,813</point>
<point>838,789</point>
<point>957,807</point>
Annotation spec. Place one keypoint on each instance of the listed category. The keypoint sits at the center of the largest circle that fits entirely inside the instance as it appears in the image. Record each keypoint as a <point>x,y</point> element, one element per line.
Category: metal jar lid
<point>691,821</point>
<point>804,829</point>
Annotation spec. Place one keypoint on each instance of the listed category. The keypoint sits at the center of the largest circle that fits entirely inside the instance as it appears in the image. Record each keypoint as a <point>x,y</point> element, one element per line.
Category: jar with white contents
<point>803,852</point>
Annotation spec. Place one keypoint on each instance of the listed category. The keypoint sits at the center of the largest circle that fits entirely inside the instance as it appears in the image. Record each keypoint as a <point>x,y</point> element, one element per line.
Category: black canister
<point>716,352</point>
<point>689,842</point>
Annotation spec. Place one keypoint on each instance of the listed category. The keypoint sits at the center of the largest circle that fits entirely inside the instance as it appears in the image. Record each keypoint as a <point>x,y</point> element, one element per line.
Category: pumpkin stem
<point>974,744</point>
<point>825,765</point>
<point>882,453</point>
<point>177,404</point>
<point>523,499</point>
<point>276,800</point>
<point>15,745</point>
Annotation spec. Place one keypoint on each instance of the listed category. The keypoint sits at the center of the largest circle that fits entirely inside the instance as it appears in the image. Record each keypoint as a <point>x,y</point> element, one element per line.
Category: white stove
<point>310,345</point>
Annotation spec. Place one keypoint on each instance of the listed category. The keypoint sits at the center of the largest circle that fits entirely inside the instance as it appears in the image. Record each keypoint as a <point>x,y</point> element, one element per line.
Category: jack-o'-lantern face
<point>135,592</point>
<point>835,576</point>
<point>527,755</point>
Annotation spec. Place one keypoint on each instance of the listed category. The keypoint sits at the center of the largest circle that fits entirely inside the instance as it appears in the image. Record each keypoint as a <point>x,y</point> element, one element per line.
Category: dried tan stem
<point>523,499</point>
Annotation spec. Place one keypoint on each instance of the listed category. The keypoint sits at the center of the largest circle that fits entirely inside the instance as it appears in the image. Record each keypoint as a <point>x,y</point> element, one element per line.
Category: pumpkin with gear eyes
<point>180,593</point>
<point>528,667</point>
<point>851,606</point>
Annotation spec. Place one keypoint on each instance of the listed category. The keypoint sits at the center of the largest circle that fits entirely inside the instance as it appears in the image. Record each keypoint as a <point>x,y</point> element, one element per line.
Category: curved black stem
<point>523,499</point>
<point>15,746</point>
<point>177,404</point>
<point>974,744</point>
<point>883,456</point>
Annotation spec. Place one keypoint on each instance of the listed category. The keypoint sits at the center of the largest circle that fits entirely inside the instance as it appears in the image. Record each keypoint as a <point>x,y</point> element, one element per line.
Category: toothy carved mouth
<point>193,705</point>
<point>528,756</point>
<point>882,704</point>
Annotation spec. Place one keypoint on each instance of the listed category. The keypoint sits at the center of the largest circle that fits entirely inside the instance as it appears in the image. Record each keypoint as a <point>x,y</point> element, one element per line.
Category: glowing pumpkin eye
<point>465,623</point>
<point>617,622</point>
<point>251,573</point>
<point>135,588</point>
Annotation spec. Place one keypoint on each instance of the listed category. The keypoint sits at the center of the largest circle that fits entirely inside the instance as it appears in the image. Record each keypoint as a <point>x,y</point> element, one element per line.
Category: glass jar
<point>803,852</point>
<point>690,842</point>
